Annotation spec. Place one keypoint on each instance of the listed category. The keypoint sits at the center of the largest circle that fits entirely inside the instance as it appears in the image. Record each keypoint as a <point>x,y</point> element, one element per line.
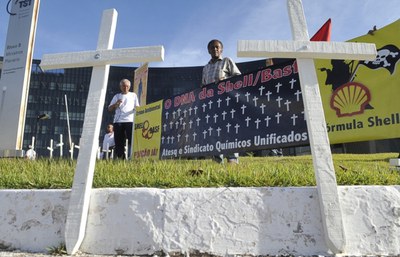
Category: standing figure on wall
<point>217,69</point>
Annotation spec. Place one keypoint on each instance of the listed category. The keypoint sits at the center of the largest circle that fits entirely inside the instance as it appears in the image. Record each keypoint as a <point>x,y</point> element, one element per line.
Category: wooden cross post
<point>100,59</point>
<point>61,145</point>
<point>51,149</point>
<point>305,51</point>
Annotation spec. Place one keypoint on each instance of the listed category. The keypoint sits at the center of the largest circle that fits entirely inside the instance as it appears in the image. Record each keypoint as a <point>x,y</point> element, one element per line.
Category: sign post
<point>15,76</point>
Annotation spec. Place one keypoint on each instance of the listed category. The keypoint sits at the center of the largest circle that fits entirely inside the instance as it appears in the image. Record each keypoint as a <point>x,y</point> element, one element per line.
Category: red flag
<point>324,33</point>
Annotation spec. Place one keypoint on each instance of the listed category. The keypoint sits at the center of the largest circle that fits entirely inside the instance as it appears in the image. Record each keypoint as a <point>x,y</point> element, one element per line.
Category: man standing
<point>124,105</point>
<point>217,69</point>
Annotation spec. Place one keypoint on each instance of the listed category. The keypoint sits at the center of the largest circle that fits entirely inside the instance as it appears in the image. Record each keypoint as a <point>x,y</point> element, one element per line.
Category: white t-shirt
<point>108,140</point>
<point>126,111</point>
<point>30,154</point>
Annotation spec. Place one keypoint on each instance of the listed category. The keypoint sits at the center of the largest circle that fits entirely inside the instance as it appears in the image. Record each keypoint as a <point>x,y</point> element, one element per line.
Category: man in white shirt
<point>124,105</point>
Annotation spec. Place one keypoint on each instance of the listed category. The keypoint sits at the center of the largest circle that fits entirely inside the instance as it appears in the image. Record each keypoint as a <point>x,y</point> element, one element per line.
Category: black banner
<point>260,110</point>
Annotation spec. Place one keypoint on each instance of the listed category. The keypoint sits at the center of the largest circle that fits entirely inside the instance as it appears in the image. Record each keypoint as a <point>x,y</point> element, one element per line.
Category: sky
<point>184,27</point>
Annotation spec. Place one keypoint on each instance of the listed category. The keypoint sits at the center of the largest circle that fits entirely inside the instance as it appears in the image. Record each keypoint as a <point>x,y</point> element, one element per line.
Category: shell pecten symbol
<point>350,99</point>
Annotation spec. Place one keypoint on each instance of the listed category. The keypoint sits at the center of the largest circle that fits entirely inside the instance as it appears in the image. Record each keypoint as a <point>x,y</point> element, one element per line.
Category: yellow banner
<point>140,83</point>
<point>147,131</point>
<point>361,98</point>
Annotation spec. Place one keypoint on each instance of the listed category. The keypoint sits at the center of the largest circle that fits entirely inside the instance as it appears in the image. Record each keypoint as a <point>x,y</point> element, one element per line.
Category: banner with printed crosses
<point>259,110</point>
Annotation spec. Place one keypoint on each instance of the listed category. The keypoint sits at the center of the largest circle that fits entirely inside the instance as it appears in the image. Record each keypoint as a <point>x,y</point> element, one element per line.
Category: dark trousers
<point>122,132</point>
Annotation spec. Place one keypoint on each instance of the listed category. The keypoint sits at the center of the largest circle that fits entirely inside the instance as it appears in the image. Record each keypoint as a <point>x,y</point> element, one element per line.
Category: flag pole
<point>69,128</point>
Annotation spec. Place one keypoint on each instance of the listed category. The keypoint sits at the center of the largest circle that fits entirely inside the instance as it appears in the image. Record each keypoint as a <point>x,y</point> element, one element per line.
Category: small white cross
<point>262,106</point>
<point>287,103</point>
<point>210,104</point>
<point>294,117</point>
<point>257,122</point>
<point>278,116</point>
<point>237,126</point>
<point>227,127</point>
<point>237,95</point>
<point>61,145</point>
<point>50,148</point>
<point>261,89</point>
<point>267,119</point>
<point>255,98</point>
<point>219,102</point>
<point>268,94</point>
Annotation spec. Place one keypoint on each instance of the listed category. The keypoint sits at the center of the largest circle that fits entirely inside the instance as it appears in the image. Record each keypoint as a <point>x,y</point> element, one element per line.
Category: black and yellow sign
<point>360,98</point>
<point>147,131</point>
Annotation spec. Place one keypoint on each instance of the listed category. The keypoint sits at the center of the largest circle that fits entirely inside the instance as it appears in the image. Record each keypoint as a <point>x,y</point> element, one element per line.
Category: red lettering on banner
<point>184,99</point>
<point>146,153</point>
<point>248,80</point>
<point>154,152</point>
<point>228,86</point>
<point>238,85</point>
<point>269,74</point>
<point>266,75</point>
<point>206,93</point>
<point>277,74</point>
<point>167,104</point>
<point>287,70</point>
<point>295,68</point>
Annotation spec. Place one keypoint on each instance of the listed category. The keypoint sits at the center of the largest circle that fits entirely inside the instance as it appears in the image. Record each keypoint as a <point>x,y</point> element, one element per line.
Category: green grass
<point>351,169</point>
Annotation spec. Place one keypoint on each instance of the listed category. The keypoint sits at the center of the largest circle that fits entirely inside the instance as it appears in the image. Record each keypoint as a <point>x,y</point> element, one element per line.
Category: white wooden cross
<point>100,59</point>
<point>51,149</point>
<point>61,145</point>
<point>305,51</point>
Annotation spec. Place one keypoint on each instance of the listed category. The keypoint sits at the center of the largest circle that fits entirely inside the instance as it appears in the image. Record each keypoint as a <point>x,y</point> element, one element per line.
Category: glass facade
<point>47,116</point>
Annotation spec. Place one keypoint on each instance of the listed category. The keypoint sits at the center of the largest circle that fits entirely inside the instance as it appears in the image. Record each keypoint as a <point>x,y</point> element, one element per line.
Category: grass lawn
<point>351,169</point>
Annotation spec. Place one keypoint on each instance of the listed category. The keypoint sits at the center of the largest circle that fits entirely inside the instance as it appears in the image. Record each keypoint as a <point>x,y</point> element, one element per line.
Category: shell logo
<point>350,99</point>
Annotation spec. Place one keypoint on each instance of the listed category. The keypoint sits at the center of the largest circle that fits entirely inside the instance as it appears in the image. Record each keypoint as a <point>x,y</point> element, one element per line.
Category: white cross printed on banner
<point>305,51</point>
<point>100,59</point>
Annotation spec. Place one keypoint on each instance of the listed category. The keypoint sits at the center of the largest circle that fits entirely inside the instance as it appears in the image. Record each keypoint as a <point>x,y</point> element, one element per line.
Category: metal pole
<point>69,128</point>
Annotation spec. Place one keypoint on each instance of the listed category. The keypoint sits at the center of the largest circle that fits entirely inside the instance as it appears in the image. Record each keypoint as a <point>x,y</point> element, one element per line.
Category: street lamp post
<point>43,116</point>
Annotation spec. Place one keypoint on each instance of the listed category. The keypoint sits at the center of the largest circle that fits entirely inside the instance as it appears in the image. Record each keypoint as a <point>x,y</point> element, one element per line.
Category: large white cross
<point>100,59</point>
<point>305,51</point>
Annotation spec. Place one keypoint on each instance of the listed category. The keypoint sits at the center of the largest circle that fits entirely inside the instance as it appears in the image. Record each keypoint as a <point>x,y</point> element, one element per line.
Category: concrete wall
<point>220,221</point>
